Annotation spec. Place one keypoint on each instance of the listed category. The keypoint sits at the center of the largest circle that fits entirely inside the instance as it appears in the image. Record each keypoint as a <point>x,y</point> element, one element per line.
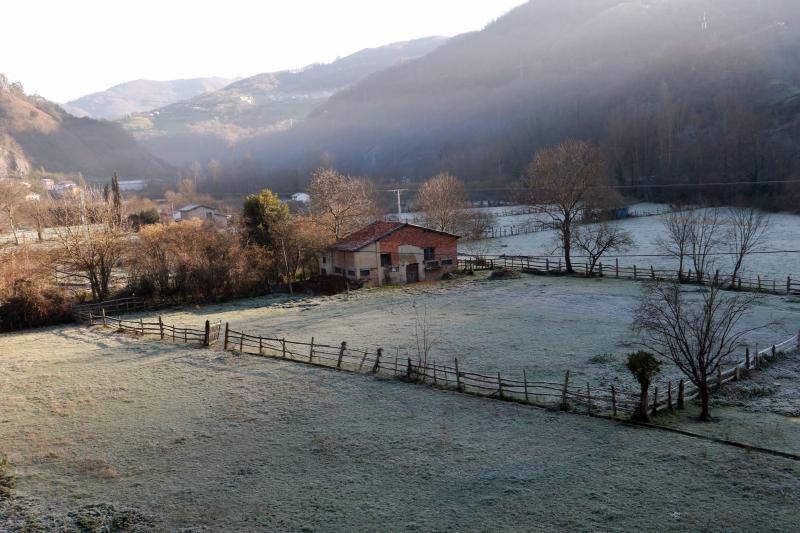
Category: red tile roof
<point>374,232</point>
<point>367,235</point>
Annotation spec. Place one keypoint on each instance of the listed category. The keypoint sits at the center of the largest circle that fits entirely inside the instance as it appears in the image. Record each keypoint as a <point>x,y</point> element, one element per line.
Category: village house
<point>202,212</point>
<point>392,253</point>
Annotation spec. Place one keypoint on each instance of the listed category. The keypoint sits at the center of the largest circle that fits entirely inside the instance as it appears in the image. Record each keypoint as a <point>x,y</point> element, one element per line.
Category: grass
<point>7,480</point>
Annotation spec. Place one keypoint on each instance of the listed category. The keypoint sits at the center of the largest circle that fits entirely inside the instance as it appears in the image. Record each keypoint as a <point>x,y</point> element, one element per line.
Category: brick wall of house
<point>446,247</point>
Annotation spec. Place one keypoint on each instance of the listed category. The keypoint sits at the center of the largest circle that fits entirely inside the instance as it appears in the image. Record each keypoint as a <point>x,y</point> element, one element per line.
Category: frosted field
<point>784,234</point>
<point>191,438</point>
<point>543,324</point>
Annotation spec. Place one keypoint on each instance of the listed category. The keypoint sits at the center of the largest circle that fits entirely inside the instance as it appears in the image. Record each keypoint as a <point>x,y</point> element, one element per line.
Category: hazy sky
<point>63,49</point>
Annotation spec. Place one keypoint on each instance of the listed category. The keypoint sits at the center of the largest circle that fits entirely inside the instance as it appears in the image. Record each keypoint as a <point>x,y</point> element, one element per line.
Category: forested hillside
<point>674,90</point>
<point>37,133</point>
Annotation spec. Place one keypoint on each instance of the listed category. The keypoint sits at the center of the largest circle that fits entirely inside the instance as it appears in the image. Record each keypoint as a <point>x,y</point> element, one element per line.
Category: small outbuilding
<point>392,253</point>
<point>202,212</point>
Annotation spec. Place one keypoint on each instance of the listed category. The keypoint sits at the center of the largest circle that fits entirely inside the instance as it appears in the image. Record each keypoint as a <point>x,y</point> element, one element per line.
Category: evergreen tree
<point>261,216</point>
<point>116,199</point>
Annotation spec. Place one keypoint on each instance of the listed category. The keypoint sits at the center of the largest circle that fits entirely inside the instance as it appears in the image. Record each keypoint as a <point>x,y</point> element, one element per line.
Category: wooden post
<point>260,345</point>
<point>311,351</point>
<point>759,283</point>
<point>614,400</point>
<point>225,345</point>
<point>141,326</point>
<point>361,364</point>
<point>669,395</point>
<point>408,370</point>
<point>341,354</point>
<point>756,357</point>
<point>788,284</point>
<point>377,364</point>
<point>652,273</point>
<point>103,312</point>
<point>681,390</point>
<point>747,358</point>
<point>207,334</point>
<point>525,381</point>
<point>616,269</point>
<point>634,272</point>
<point>161,327</point>
<point>241,342</point>
<point>601,270</point>
<point>736,373</point>
<point>459,385</point>
<point>283,348</point>
<point>654,412</point>
<point>185,335</point>
<point>772,353</point>
<point>499,385</point>
<point>547,265</point>
<point>716,278</point>
<point>564,404</point>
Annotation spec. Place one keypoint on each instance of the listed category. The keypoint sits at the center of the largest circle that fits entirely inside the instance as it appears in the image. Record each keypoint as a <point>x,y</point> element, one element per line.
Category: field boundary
<point>565,395</point>
<point>555,266</point>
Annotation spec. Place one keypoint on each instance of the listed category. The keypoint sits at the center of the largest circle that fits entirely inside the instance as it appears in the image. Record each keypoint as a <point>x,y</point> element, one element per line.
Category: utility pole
<point>399,205</point>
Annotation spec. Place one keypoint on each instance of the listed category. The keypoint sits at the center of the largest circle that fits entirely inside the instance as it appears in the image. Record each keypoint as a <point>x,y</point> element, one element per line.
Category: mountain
<point>674,90</point>
<point>37,133</point>
<point>205,126</point>
<point>139,96</point>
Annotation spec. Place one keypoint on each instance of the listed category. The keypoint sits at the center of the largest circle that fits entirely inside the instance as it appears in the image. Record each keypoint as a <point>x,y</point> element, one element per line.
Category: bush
<point>31,306</point>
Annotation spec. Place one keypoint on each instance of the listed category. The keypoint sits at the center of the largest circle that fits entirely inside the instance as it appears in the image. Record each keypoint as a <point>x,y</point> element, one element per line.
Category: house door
<point>412,273</point>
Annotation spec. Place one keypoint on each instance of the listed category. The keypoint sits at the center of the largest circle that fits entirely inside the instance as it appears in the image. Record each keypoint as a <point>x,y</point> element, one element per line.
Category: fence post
<point>601,270</point>
<point>634,273</point>
<point>736,373</point>
<point>747,358</point>
<point>459,386</point>
<point>341,354</point>
<point>141,326</point>
<point>499,386</point>
<point>283,348</point>
<point>241,343</point>
<point>669,395</point>
<point>652,273</point>
<point>408,370</point>
<point>759,283</point>
<point>377,361</point>
<point>547,265</point>
<point>681,390</point>
<point>103,312</point>
<point>260,345</point>
<point>311,351</point>
<point>655,402</point>
<point>225,345</point>
<point>616,267</point>
<point>564,405</point>
<point>525,381</point>
<point>206,336</point>
<point>614,400</point>
<point>772,354</point>
<point>756,358</point>
<point>788,284</point>
<point>161,327</point>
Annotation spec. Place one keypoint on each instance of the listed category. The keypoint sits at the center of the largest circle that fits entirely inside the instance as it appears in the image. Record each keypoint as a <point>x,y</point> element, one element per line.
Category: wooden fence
<point>110,307</point>
<point>556,265</point>
<point>566,395</point>
<point>208,336</point>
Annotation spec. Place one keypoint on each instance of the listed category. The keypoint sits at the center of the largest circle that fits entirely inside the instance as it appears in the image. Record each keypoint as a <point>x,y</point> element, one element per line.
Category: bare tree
<point>677,241</point>
<point>747,228</point>
<point>565,182</point>
<point>12,197</point>
<point>697,337</point>
<point>443,203</point>
<point>91,243</point>
<point>597,239</point>
<point>341,204</point>
<point>426,333</point>
<point>704,240</point>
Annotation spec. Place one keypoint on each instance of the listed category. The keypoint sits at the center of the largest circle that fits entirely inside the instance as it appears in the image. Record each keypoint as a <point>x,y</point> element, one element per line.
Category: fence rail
<point>556,265</point>
<point>565,394</point>
<point>110,307</point>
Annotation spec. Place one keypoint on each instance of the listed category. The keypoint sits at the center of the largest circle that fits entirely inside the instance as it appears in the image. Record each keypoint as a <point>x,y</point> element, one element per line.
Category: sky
<point>63,49</point>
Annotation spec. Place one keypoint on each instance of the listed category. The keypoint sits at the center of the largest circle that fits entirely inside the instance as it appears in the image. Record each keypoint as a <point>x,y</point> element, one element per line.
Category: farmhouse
<point>391,253</point>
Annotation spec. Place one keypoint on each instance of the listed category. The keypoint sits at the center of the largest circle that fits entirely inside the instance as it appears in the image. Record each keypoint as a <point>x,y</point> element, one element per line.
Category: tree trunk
<point>640,414</point>
<point>705,415</point>
<point>566,230</point>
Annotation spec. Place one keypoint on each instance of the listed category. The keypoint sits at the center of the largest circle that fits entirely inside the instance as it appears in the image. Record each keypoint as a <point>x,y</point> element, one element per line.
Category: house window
<point>447,262</point>
<point>351,273</point>
<point>337,270</point>
<point>324,271</point>
<point>365,273</point>
<point>324,259</point>
<point>386,260</point>
<point>430,254</point>
<point>209,215</point>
